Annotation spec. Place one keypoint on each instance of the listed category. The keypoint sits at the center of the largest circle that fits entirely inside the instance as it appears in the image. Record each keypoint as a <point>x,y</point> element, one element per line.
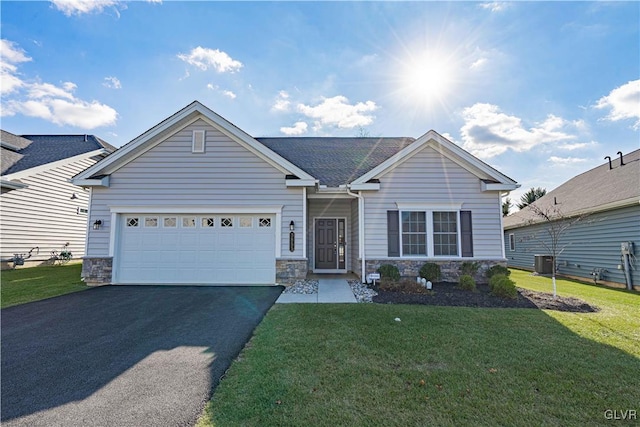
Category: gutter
<point>361,244</point>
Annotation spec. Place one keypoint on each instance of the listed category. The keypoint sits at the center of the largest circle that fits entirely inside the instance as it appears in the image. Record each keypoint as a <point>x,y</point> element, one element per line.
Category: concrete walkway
<point>330,291</point>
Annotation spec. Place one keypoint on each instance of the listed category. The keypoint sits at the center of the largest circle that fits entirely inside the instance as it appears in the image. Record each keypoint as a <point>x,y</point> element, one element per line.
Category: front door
<point>330,244</point>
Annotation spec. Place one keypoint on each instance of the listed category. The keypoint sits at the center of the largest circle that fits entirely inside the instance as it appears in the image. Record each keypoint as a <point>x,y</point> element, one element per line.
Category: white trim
<point>94,182</point>
<point>113,231</point>
<point>218,209</point>
<point>504,252</point>
<point>155,135</point>
<point>442,206</point>
<point>300,182</point>
<point>512,236</point>
<point>498,186</point>
<point>52,165</point>
<point>88,224</point>
<point>304,222</point>
<point>194,140</point>
<point>329,195</point>
<point>438,142</point>
<point>365,186</point>
<point>12,185</point>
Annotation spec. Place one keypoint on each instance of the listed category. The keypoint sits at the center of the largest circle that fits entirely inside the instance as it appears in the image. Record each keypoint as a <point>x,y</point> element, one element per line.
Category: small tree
<point>556,224</point>
<point>531,196</point>
<point>506,206</point>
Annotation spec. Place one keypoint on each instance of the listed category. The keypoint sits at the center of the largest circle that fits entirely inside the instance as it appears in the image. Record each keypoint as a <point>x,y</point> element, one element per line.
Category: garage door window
<point>246,221</point>
<point>151,222</point>
<point>169,222</point>
<point>208,222</point>
<point>132,222</point>
<point>189,221</point>
<point>226,222</point>
<point>264,222</point>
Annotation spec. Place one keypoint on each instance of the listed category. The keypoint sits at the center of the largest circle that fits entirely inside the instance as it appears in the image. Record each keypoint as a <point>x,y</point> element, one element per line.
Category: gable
<point>173,125</point>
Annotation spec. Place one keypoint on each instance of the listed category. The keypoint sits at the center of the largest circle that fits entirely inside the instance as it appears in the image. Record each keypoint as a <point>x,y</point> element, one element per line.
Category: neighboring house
<point>609,198</point>
<point>197,200</point>
<point>40,208</point>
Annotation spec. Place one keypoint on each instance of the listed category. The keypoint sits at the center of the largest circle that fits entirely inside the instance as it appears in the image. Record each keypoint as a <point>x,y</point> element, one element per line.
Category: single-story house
<point>42,211</point>
<point>197,200</point>
<point>605,244</point>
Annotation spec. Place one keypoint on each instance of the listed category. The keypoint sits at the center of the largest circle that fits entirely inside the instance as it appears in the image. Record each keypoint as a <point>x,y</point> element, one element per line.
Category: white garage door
<point>196,249</point>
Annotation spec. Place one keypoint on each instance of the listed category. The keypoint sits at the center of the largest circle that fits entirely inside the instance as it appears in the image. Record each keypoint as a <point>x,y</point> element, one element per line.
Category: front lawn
<point>355,365</point>
<point>36,283</point>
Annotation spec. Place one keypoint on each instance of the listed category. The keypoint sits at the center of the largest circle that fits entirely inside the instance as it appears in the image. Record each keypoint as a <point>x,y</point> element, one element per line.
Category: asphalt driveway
<point>123,355</point>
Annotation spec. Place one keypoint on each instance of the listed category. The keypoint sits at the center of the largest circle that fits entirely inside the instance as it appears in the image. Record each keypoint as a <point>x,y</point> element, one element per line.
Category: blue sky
<point>540,90</point>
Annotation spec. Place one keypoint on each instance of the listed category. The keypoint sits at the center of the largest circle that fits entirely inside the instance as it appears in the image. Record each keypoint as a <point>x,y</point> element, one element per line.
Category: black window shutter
<point>393,233</point>
<point>467,233</point>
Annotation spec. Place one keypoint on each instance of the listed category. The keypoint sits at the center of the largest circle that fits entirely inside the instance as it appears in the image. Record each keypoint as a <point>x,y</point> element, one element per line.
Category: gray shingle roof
<point>43,149</point>
<point>336,161</point>
<point>589,191</point>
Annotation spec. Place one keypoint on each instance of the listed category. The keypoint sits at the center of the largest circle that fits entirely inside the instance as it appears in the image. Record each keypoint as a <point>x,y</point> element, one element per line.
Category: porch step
<point>330,291</point>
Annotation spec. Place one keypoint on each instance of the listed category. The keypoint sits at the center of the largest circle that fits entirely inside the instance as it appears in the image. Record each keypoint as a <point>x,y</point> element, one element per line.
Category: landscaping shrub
<point>469,268</point>
<point>389,271</point>
<point>430,271</point>
<point>497,269</point>
<point>406,286</point>
<point>467,283</point>
<point>503,287</point>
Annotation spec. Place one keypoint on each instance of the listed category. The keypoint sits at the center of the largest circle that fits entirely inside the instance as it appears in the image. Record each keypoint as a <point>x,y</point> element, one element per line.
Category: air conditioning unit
<point>543,264</point>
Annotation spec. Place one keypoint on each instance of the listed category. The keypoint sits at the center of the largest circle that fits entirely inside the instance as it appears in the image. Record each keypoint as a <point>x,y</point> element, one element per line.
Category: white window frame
<point>195,146</point>
<point>512,242</point>
<point>429,229</point>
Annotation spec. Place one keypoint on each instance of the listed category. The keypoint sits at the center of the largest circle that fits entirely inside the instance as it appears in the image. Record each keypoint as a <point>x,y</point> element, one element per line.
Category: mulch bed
<point>449,294</point>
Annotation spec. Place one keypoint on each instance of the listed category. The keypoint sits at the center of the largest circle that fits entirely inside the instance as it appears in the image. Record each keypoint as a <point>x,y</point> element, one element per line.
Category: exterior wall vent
<point>198,142</point>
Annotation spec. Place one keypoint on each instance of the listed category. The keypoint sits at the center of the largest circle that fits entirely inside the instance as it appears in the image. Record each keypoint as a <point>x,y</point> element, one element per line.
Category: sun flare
<point>428,78</point>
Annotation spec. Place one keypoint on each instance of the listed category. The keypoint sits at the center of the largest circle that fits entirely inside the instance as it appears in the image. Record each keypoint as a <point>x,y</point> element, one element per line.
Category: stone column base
<point>97,271</point>
<point>290,270</point>
<point>450,270</point>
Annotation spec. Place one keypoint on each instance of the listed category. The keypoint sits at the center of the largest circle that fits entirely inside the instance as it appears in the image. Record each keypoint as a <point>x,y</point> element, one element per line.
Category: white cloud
<point>79,7</point>
<point>494,6</point>
<point>478,63</point>
<point>624,103</point>
<point>488,132</point>
<point>297,129</point>
<point>282,102</point>
<point>47,101</point>
<point>566,160</point>
<point>571,146</point>
<point>229,94</point>
<point>205,58</point>
<point>112,83</point>
<point>338,112</point>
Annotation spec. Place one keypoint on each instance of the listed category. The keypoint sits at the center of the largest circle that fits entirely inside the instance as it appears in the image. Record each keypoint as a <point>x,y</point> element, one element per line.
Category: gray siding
<point>331,208</point>
<point>44,215</point>
<point>170,175</point>
<point>593,243</point>
<point>355,239</point>
<point>428,177</point>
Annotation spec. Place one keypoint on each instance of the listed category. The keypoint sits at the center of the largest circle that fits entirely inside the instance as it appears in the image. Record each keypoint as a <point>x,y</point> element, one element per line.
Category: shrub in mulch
<point>450,294</point>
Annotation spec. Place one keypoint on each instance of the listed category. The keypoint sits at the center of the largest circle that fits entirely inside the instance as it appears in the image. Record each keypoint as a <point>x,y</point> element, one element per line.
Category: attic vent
<point>198,141</point>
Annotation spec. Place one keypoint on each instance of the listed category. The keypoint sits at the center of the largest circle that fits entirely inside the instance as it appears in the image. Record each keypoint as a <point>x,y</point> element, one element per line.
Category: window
<point>189,221</point>
<point>208,222</point>
<point>512,242</point>
<point>264,222</point>
<point>414,233</point>
<point>226,222</point>
<point>151,222</point>
<point>445,233</point>
<point>170,222</point>
<point>132,222</point>
<point>246,221</point>
<point>82,211</point>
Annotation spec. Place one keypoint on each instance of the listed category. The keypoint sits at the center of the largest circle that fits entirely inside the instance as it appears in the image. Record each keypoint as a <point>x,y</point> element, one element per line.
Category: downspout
<point>304,222</point>
<point>361,245</point>
<point>504,252</point>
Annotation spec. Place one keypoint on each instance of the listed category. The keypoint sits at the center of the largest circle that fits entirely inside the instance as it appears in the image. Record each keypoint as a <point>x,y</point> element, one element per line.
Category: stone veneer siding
<point>450,270</point>
<point>290,270</point>
<point>97,271</point>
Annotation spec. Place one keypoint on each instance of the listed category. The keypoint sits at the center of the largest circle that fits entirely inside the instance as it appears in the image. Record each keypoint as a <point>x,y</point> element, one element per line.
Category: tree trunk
<point>553,280</point>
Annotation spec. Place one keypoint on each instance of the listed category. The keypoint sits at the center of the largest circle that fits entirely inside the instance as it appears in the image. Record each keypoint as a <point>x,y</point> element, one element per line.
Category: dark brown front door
<point>325,243</point>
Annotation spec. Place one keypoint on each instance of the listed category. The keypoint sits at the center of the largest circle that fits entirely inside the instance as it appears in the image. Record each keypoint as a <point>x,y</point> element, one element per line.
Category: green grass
<point>354,365</point>
<point>32,284</point>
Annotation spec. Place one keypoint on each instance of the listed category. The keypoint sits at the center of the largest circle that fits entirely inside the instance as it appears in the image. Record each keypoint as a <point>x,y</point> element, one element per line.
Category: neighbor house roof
<point>336,161</point>
<point>20,153</point>
<point>596,190</point>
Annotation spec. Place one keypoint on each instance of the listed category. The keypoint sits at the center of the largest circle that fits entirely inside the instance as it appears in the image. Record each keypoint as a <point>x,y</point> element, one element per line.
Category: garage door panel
<point>197,250</point>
